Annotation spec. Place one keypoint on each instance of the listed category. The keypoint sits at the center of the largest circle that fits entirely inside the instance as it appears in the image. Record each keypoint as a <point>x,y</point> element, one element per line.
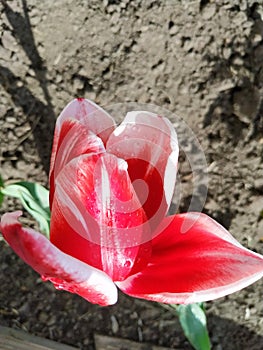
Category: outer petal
<point>97,216</point>
<point>89,114</point>
<point>194,259</point>
<point>70,141</point>
<point>64,271</point>
<point>149,144</point>
<point>81,128</point>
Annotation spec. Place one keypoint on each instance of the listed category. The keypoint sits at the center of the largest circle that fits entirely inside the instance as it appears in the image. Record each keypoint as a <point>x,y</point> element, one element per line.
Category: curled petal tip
<point>199,264</point>
<point>63,270</point>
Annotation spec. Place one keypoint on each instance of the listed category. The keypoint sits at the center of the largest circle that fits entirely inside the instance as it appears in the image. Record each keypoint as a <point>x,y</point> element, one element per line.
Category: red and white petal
<point>72,140</point>
<point>82,127</point>
<point>89,114</point>
<point>97,218</point>
<point>149,144</point>
<point>64,271</point>
<point>194,259</point>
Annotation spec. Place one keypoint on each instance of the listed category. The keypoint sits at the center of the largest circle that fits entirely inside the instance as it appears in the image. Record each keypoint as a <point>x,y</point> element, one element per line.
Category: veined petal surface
<point>194,259</point>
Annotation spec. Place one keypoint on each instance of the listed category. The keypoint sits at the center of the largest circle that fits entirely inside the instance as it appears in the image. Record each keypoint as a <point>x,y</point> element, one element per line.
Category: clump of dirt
<point>202,61</point>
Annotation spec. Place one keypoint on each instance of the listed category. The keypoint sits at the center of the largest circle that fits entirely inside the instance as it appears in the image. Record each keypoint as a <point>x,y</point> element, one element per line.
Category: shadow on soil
<point>29,299</point>
<point>40,116</point>
<point>249,84</point>
<point>232,335</point>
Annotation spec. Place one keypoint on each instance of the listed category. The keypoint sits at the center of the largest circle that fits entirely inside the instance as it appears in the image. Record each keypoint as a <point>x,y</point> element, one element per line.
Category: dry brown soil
<point>201,60</point>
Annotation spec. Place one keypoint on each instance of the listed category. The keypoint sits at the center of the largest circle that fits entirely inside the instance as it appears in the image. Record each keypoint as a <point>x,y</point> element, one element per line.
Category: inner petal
<point>95,197</point>
<point>151,195</point>
<point>149,145</point>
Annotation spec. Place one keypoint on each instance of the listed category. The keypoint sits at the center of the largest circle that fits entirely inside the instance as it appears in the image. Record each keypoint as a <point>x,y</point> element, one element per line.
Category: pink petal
<point>64,271</point>
<point>194,259</point>
<point>97,218</point>
<point>149,145</point>
<point>70,141</point>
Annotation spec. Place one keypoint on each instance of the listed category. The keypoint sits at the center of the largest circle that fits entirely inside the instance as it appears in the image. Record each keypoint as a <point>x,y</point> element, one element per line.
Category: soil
<point>200,60</point>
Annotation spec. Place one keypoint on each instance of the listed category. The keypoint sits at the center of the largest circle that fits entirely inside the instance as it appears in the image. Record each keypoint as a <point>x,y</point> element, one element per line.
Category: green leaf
<point>1,193</point>
<point>193,321</point>
<point>35,199</point>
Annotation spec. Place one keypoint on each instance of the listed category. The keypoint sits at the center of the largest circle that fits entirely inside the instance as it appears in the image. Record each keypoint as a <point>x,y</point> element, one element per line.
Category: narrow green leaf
<point>193,321</point>
<point>35,199</point>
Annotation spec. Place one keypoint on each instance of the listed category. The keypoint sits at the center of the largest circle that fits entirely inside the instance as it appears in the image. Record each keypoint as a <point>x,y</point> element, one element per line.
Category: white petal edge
<point>94,285</point>
<point>195,297</point>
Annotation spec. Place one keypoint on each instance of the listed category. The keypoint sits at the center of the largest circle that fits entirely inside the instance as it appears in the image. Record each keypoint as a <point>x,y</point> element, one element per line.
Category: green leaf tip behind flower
<point>35,200</point>
<point>193,321</point>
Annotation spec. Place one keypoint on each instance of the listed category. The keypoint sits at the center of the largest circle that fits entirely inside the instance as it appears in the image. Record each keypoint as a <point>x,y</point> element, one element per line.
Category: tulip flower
<point>110,191</point>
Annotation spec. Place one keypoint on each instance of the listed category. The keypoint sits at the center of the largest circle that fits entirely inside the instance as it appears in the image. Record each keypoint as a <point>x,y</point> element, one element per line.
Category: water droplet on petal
<point>128,263</point>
